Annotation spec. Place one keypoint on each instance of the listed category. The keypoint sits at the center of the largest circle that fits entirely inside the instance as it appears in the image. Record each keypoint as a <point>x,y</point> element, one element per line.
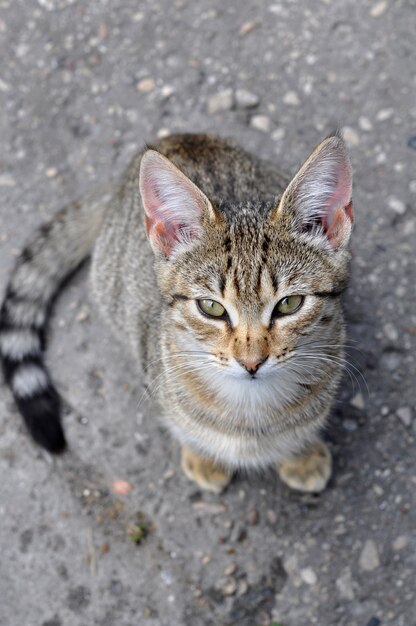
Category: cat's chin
<point>272,388</point>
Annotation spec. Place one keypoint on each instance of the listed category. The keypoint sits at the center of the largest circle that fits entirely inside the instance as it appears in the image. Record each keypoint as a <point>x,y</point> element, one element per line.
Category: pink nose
<point>252,363</point>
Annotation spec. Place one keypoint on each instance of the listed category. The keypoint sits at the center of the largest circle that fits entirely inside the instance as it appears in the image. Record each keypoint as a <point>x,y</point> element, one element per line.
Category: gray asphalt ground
<point>83,85</point>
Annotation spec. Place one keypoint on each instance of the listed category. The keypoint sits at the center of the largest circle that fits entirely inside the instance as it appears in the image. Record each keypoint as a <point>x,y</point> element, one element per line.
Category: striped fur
<point>246,240</point>
<point>55,251</point>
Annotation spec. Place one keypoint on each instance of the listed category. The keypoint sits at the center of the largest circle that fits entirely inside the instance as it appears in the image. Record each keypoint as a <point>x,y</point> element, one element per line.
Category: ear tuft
<point>173,204</point>
<point>319,196</point>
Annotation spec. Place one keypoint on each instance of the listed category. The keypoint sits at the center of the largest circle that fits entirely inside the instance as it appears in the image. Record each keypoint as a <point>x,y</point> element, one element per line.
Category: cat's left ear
<point>174,206</point>
<point>319,196</point>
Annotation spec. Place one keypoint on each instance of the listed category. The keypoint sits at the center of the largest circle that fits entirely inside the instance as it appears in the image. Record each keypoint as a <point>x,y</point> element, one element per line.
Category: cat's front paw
<point>204,472</point>
<point>309,471</point>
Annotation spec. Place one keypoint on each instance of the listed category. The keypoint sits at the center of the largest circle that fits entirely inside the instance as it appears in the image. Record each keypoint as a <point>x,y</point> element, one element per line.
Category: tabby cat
<point>223,278</point>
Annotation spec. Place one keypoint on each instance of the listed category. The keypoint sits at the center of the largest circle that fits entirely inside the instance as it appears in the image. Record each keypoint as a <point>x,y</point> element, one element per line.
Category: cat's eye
<point>288,305</point>
<point>211,308</point>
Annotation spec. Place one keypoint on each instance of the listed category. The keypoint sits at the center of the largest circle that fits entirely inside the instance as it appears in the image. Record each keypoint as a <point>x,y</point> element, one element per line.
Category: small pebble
<point>246,99</point>
<point>349,425</point>
<point>278,134</point>
<point>146,85</point>
<point>351,136</point>
<point>378,490</point>
<point>222,101</point>
<point>121,487</point>
<point>374,621</point>
<point>391,332</point>
<point>271,516</point>
<point>247,27</point>
<point>384,114</point>
<point>369,559</point>
<point>365,124</point>
<point>163,132</point>
<point>51,172</point>
<point>291,98</point>
<point>261,122</point>
<point>167,91</point>
<point>230,570</point>
<point>358,401</point>
<point>404,414</point>
<point>308,576</point>
<point>397,205</point>
<point>400,542</point>
<point>229,588</point>
<point>411,142</point>
<point>170,473</point>
<point>378,9</point>
<point>242,587</point>
<point>345,585</point>
<point>84,314</point>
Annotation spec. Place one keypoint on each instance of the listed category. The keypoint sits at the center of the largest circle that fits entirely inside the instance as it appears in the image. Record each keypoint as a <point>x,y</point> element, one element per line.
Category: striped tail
<point>54,253</point>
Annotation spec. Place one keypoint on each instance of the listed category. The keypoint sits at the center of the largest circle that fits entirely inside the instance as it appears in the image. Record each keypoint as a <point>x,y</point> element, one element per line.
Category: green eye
<point>211,308</point>
<point>288,305</point>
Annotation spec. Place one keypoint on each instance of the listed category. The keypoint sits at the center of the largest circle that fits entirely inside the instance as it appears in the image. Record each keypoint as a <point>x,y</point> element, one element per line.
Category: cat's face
<point>249,294</point>
<point>241,318</point>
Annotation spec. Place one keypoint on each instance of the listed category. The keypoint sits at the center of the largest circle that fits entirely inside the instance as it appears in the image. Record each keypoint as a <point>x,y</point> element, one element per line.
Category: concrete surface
<point>82,86</point>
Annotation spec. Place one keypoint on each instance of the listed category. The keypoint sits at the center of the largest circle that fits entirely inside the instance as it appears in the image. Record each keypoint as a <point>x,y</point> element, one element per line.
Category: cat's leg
<point>204,472</point>
<point>309,470</point>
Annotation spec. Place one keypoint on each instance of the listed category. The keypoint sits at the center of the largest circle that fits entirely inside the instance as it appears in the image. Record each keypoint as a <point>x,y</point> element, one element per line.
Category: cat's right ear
<point>174,206</point>
<point>318,199</point>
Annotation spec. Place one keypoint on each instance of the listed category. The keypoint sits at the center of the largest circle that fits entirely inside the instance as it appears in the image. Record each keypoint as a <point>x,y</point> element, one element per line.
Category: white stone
<point>351,136</point>
<point>391,332</point>
<point>167,91</point>
<point>378,9</point>
<point>358,401</point>
<point>396,205</point>
<point>369,559</point>
<point>365,124</point>
<point>291,98</point>
<point>222,101</point>
<point>261,122</point>
<point>404,414</point>
<point>278,134</point>
<point>246,99</point>
<point>384,114</point>
<point>308,576</point>
<point>345,585</point>
<point>400,542</point>
<point>163,132</point>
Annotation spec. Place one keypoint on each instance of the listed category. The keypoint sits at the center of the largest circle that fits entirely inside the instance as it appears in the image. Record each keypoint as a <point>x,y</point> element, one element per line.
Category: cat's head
<point>245,289</point>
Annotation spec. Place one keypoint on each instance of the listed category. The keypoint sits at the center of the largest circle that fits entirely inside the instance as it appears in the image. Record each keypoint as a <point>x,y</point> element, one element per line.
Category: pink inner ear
<point>173,205</point>
<point>338,213</point>
<point>340,227</point>
<point>326,188</point>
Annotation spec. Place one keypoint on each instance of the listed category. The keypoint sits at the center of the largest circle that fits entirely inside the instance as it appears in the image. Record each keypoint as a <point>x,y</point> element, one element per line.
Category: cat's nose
<point>252,363</point>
